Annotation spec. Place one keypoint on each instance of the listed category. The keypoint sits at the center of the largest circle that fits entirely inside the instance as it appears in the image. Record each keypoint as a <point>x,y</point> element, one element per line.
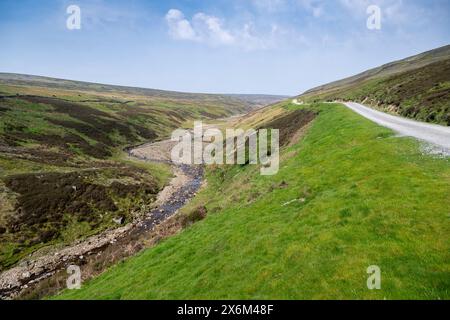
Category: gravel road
<point>437,136</point>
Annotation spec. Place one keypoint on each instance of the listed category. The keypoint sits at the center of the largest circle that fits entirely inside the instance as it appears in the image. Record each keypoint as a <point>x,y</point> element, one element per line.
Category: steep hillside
<point>417,87</point>
<point>63,174</point>
<point>348,195</point>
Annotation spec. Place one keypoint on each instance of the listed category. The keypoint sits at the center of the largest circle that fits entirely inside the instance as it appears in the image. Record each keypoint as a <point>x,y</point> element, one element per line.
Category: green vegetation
<point>43,208</point>
<point>63,172</point>
<point>348,195</point>
<point>417,87</point>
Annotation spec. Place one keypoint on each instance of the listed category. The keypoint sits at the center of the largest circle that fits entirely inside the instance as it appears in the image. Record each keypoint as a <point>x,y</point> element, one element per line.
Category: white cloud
<point>179,27</point>
<point>211,30</point>
<point>249,39</point>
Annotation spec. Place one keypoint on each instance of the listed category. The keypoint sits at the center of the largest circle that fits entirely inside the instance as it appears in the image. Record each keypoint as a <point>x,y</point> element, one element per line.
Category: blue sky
<point>226,46</point>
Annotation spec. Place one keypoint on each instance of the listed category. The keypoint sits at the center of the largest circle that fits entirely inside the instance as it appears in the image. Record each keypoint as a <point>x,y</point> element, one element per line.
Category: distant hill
<point>416,87</point>
<point>249,100</point>
<point>259,99</point>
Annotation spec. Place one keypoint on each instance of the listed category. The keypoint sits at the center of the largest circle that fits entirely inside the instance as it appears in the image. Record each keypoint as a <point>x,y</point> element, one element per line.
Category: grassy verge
<point>347,196</point>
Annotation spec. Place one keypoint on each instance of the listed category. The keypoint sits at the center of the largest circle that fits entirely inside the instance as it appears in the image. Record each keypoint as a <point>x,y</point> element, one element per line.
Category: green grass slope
<point>417,87</point>
<point>348,195</point>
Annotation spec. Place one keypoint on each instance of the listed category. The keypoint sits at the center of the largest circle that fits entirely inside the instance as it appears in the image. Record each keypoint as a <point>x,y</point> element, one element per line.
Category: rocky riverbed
<point>42,274</point>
